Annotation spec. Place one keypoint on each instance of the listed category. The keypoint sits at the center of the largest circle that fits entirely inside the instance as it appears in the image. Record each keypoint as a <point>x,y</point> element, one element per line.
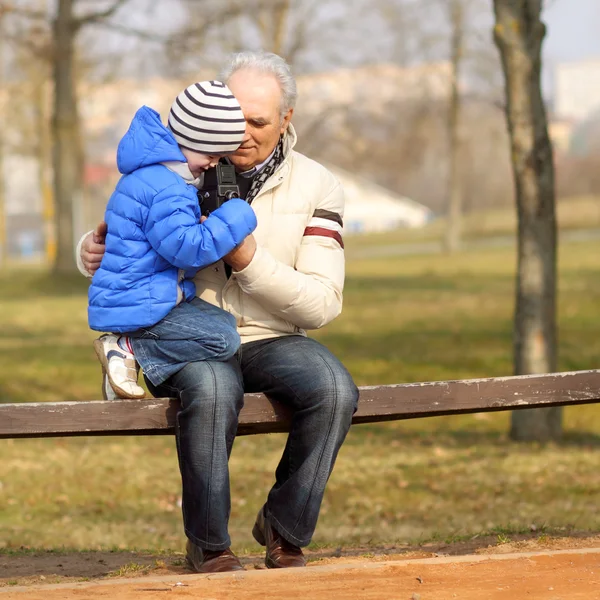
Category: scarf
<point>259,178</point>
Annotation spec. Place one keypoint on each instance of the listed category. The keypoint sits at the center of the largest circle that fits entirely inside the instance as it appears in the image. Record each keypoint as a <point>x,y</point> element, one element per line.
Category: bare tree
<point>286,27</point>
<point>57,46</point>
<point>3,245</point>
<point>310,34</point>
<point>272,21</point>
<point>454,212</point>
<point>67,155</point>
<point>30,107</point>
<point>25,85</point>
<point>519,33</point>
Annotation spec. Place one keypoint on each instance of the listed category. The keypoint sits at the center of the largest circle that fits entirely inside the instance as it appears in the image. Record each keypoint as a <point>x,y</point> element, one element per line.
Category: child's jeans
<point>191,332</point>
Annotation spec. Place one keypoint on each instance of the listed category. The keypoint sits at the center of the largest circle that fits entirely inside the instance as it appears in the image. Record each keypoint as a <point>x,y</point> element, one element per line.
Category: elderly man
<point>285,278</point>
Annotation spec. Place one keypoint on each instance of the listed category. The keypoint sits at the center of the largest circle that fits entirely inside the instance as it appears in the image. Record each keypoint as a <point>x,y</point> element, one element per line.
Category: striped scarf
<point>260,178</point>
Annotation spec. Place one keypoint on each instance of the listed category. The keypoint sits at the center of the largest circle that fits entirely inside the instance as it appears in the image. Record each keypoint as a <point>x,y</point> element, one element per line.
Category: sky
<point>573,30</point>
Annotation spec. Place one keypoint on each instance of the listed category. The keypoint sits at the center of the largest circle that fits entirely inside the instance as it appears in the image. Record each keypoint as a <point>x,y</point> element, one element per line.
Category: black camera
<point>219,186</point>
<point>227,187</point>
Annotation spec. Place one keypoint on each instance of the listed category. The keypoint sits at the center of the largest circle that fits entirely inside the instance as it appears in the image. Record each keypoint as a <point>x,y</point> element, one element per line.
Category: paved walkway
<point>551,575</point>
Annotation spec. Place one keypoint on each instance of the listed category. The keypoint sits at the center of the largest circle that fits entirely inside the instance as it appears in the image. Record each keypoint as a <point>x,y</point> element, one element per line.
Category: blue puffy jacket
<point>155,243</point>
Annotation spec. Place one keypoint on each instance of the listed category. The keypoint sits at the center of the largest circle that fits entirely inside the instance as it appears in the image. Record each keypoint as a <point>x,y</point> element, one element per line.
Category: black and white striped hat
<point>207,118</point>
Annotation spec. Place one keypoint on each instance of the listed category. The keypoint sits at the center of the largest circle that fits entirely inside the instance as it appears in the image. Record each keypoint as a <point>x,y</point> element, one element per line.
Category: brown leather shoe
<point>208,561</point>
<point>280,552</point>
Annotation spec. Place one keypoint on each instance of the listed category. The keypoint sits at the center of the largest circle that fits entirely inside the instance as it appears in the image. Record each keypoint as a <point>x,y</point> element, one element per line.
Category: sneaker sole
<point>107,392</point>
<point>121,393</point>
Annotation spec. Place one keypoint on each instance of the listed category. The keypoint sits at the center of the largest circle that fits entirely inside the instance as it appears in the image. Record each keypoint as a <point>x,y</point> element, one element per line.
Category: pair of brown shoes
<point>280,552</point>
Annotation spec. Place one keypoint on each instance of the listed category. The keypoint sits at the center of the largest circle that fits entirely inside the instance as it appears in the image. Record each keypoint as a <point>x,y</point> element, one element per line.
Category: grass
<point>406,319</point>
<point>580,212</point>
<point>130,569</point>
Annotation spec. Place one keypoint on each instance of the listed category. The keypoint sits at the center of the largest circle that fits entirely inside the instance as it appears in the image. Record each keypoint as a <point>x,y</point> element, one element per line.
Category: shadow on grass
<point>415,343</point>
<point>399,283</point>
<point>580,439</point>
<point>395,435</point>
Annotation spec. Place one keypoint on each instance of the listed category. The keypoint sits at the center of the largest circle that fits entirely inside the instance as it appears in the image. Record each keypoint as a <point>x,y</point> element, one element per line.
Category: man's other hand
<point>241,256</point>
<point>92,248</point>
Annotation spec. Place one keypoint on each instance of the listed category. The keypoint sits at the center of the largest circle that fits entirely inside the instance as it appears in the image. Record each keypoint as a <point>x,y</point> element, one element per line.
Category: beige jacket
<point>296,277</point>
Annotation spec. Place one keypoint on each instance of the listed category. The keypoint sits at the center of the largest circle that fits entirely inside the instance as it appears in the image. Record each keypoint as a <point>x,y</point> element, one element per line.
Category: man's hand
<point>92,248</point>
<point>241,256</point>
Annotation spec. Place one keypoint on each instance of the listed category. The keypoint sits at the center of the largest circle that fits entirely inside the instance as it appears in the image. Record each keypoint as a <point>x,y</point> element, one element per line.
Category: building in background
<point>577,89</point>
<point>107,109</point>
<point>371,208</point>
<point>573,122</point>
<point>560,132</point>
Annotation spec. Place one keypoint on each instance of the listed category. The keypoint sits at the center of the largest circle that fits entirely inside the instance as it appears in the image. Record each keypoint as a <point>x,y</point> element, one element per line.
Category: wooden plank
<point>259,415</point>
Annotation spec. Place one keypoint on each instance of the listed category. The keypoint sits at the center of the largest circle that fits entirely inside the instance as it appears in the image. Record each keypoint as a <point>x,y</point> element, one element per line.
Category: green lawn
<point>575,213</point>
<point>405,319</point>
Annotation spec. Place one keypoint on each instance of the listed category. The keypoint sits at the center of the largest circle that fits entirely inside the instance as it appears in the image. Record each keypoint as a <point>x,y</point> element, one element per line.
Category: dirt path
<point>550,575</point>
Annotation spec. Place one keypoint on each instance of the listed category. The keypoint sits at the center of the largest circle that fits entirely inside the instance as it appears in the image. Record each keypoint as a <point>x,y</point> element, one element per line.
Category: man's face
<point>259,96</point>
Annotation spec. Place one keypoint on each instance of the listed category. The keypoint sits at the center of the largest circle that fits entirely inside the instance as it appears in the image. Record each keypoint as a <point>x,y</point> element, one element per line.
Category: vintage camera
<point>219,186</point>
<point>227,187</point>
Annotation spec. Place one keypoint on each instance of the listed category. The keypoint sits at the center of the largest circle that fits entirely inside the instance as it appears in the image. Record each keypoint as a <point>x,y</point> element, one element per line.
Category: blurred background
<point>404,101</point>
<point>375,83</point>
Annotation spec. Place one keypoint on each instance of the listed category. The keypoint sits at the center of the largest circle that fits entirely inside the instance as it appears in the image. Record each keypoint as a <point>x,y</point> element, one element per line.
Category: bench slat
<point>260,415</point>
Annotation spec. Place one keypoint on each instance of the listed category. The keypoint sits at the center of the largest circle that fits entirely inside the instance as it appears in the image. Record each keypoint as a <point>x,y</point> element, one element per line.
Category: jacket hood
<point>147,142</point>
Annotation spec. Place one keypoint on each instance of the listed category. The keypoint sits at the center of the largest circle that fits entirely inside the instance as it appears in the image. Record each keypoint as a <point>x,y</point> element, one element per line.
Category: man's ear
<point>286,120</point>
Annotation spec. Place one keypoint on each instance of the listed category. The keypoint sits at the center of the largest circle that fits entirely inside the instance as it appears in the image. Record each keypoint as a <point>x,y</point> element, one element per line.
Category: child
<point>143,291</point>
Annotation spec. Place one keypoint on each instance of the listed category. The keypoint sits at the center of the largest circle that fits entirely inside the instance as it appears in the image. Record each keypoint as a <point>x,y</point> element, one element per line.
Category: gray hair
<point>269,63</point>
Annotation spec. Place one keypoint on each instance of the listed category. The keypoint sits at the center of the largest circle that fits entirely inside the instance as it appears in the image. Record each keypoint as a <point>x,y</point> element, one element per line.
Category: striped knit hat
<point>207,118</point>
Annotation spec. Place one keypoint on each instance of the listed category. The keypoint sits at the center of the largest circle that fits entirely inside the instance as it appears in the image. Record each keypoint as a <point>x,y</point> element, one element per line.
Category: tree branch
<point>39,51</point>
<point>143,35</point>
<point>100,15</point>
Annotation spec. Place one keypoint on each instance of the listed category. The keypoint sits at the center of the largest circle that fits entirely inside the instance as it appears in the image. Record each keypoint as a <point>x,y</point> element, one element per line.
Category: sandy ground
<point>556,569</point>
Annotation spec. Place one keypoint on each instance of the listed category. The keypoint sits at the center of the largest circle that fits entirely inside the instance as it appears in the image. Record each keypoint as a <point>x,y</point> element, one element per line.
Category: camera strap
<point>249,187</point>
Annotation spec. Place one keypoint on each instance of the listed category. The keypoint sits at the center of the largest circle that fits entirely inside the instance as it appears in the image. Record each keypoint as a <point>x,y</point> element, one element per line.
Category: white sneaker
<point>107,392</point>
<point>119,369</point>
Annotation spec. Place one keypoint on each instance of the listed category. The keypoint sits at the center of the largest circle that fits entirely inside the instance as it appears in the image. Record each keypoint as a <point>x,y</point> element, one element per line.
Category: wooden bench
<point>260,415</point>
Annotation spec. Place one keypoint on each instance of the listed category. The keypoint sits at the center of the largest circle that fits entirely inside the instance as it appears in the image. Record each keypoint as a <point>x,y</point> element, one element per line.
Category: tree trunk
<point>44,154</point>
<point>272,21</point>
<point>3,117</point>
<point>518,34</point>
<point>454,212</point>
<point>67,153</point>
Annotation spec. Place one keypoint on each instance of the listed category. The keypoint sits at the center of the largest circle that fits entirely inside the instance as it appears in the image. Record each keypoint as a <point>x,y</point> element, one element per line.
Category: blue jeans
<point>294,370</point>
<point>192,331</point>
